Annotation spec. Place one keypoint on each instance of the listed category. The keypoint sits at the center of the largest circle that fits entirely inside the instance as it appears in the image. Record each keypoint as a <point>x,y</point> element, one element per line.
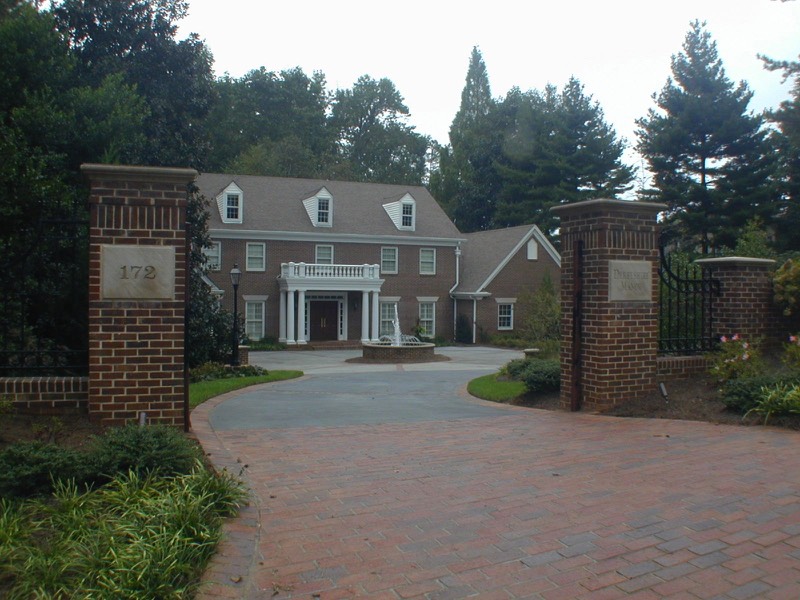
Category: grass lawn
<point>203,390</point>
<point>489,387</point>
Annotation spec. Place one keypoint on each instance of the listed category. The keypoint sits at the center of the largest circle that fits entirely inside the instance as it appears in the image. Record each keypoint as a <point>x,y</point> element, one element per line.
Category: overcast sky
<point>619,49</point>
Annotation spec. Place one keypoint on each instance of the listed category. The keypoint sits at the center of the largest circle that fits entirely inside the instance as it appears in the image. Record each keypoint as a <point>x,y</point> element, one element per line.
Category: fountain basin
<point>408,353</point>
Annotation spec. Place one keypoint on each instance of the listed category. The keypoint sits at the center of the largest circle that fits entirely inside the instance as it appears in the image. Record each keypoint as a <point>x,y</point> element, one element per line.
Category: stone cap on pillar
<point>734,261</point>
<point>139,173</point>
<point>608,205</point>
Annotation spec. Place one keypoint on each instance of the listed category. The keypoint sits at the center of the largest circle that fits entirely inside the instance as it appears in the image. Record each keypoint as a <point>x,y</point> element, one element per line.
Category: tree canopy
<point>708,153</point>
<point>511,159</point>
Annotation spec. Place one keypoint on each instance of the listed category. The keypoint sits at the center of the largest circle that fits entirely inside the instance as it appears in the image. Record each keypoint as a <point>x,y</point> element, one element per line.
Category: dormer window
<point>231,204</point>
<point>320,208</point>
<point>403,213</point>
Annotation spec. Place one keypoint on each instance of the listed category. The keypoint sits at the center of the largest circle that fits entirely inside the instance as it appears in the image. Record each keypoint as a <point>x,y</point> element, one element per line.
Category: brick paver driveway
<point>495,502</point>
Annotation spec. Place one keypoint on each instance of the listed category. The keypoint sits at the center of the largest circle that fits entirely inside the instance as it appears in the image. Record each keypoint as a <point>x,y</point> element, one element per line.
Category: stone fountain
<point>398,347</point>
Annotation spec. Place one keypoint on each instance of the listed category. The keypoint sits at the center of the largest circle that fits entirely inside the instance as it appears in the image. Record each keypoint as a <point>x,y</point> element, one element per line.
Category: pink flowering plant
<point>735,358</point>
<point>791,353</point>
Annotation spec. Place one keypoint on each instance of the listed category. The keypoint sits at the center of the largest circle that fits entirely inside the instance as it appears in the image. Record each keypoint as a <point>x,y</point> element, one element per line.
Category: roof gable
<point>486,254</point>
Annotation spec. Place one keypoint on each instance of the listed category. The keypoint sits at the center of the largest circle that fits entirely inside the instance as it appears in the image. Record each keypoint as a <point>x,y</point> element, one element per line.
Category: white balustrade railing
<point>318,271</point>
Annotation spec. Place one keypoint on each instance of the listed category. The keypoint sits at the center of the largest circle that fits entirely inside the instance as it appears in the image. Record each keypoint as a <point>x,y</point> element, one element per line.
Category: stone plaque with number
<point>137,272</point>
<point>630,280</point>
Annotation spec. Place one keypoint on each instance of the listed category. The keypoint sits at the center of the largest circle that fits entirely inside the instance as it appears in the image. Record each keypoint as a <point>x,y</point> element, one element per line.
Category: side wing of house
<point>503,268</point>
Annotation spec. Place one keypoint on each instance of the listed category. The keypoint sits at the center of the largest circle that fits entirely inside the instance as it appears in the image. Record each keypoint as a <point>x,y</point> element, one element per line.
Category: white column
<point>375,316</point>
<point>290,320</point>
<point>301,317</point>
<point>364,317</point>
<point>282,319</point>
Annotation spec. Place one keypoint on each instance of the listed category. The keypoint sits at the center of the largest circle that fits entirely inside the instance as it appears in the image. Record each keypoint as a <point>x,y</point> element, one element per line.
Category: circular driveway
<point>389,482</point>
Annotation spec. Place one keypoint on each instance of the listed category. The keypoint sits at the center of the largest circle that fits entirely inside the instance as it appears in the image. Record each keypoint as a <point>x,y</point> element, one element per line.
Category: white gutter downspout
<point>455,285</point>
<point>474,320</point>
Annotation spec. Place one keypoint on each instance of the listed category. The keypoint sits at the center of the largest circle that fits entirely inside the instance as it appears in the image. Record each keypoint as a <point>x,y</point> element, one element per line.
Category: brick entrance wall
<point>618,338</point>
<point>136,301</point>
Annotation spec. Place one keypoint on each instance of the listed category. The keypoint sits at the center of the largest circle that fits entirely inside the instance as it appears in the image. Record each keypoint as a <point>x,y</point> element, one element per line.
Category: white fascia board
<point>534,232</point>
<point>321,236</point>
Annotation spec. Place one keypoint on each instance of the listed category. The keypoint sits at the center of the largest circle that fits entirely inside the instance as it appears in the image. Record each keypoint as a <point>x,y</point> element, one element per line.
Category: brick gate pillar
<point>137,292</point>
<point>609,301</point>
<point>745,304</point>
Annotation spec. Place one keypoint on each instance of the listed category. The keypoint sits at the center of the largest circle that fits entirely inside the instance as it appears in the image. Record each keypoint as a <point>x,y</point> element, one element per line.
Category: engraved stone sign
<point>630,280</point>
<point>137,272</point>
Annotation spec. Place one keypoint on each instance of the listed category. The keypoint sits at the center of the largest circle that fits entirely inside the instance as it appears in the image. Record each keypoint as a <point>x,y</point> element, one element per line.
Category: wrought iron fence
<point>44,305</point>
<point>686,306</point>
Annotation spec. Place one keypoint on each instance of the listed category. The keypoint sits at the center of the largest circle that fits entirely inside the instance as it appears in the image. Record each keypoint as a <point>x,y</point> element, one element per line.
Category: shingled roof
<point>485,253</point>
<point>275,204</point>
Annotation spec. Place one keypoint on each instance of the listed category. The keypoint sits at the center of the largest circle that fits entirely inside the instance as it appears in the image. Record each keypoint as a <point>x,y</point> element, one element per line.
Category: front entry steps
<point>328,345</point>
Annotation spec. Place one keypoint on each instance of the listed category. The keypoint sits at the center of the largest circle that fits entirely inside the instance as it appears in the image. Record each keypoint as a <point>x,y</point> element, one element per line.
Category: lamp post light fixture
<point>236,276</point>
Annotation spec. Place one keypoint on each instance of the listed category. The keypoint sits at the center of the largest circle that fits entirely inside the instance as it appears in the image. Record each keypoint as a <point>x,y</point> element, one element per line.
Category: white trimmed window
<point>427,261</point>
<point>389,259</point>
<point>230,203</point>
<point>324,211</point>
<point>387,312</point>
<point>323,255</point>
<point>505,316</point>
<point>233,207</point>
<point>213,256</point>
<point>427,319</point>
<point>407,215</point>
<point>254,319</point>
<point>256,256</point>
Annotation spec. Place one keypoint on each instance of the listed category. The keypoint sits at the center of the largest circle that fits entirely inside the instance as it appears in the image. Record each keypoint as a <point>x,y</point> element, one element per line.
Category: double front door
<point>323,324</point>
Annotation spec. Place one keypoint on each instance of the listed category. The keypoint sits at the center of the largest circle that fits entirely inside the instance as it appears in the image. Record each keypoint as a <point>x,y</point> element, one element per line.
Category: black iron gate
<point>44,301</point>
<point>686,306</point>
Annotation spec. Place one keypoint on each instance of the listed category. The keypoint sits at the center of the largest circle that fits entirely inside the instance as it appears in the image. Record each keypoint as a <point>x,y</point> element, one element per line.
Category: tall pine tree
<point>475,143</point>
<point>707,152</point>
<point>787,141</point>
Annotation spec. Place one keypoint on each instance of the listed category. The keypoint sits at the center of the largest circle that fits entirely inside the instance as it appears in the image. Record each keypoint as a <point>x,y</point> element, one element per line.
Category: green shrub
<point>542,375</point>
<point>29,468</point>
<point>211,370</point>
<point>742,394</point>
<point>780,399</point>
<point>509,340</point>
<point>786,285</point>
<point>265,343</point>
<point>156,449</point>
<point>515,368</point>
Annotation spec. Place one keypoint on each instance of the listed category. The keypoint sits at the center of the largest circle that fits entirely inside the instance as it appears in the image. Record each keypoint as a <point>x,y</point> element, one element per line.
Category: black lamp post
<point>236,275</point>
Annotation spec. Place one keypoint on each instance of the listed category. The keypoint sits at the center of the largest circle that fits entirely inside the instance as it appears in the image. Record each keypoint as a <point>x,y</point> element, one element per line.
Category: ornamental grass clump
<point>735,358</point>
<point>139,536</point>
<point>781,399</point>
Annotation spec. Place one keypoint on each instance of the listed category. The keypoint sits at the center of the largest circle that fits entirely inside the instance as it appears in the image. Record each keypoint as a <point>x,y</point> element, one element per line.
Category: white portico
<point>315,301</point>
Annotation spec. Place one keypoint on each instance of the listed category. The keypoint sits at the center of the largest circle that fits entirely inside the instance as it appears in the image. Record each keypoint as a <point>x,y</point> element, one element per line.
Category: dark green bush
<point>156,449</point>
<point>516,367</point>
<point>211,370</point>
<point>742,395</point>
<point>542,375</point>
<point>29,468</point>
